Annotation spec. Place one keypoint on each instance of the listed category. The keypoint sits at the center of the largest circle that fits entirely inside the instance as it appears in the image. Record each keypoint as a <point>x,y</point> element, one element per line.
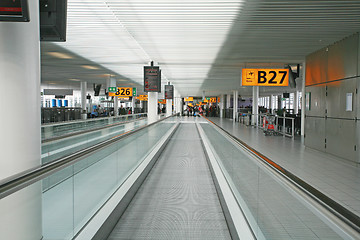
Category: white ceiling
<point>203,44</point>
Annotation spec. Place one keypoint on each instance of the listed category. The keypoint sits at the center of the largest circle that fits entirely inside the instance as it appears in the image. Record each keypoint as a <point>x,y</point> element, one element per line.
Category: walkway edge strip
<point>243,230</point>
<point>91,229</point>
<point>337,209</point>
<point>26,178</point>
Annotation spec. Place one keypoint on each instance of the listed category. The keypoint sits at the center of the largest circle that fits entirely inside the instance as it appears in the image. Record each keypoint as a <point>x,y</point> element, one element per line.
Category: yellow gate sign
<point>142,97</point>
<point>213,100</point>
<point>122,92</point>
<point>265,77</point>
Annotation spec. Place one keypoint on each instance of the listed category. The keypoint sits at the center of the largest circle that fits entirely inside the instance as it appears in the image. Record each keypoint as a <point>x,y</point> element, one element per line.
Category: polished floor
<point>335,177</point>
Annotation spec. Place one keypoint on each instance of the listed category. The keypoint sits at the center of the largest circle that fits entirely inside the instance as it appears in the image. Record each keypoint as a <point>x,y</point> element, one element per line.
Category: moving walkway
<point>154,183</point>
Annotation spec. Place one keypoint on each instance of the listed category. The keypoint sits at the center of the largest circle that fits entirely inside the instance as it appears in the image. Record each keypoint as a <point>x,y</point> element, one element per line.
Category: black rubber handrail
<point>340,211</point>
<point>88,131</point>
<point>26,178</point>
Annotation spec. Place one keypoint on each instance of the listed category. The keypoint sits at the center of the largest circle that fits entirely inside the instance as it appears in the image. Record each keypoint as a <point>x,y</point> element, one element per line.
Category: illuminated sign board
<point>152,79</point>
<point>169,91</point>
<point>189,99</point>
<point>213,100</point>
<point>162,101</point>
<point>265,77</point>
<point>14,10</point>
<point>123,92</point>
<point>142,97</point>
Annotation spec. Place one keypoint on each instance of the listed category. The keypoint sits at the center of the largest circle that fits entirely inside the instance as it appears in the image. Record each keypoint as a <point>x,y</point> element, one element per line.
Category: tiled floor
<point>333,176</point>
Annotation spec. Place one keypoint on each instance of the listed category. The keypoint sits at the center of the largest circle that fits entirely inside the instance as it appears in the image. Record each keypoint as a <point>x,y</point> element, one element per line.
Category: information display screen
<point>14,11</point>
<point>152,79</point>
<point>169,91</point>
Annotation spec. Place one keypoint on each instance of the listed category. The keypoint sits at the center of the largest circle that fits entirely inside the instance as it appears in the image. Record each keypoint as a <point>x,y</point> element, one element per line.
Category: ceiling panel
<point>203,44</point>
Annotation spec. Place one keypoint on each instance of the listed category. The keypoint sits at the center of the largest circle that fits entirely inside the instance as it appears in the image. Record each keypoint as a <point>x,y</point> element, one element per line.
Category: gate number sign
<point>123,92</point>
<point>265,77</point>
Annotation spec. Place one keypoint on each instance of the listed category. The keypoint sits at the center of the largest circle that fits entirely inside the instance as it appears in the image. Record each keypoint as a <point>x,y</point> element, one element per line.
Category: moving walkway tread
<point>178,199</point>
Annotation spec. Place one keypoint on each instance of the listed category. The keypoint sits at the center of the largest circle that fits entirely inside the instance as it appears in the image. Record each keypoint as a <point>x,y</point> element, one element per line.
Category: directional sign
<point>112,89</point>
<point>213,100</point>
<point>189,99</point>
<point>169,91</point>
<point>152,79</point>
<point>122,92</point>
<point>142,97</point>
<point>265,77</point>
<point>162,101</point>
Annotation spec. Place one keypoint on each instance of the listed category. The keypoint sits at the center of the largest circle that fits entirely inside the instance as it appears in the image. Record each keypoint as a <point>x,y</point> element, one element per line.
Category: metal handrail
<point>88,131</point>
<point>88,120</point>
<point>28,177</point>
<point>348,217</point>
<point>259,124</point>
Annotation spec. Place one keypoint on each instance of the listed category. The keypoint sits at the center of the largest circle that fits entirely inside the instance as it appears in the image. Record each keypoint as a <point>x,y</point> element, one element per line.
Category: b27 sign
<point>265,77</point>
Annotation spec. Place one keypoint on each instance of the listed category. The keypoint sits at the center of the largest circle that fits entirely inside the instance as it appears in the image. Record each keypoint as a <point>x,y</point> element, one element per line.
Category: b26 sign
<point>265,77</point>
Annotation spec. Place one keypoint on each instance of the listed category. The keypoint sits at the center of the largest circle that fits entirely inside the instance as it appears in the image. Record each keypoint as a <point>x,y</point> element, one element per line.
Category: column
<point>222,104</point>
<point>203,95</point>
<point>235,104</point>
<point>152,107</point>
<point>177,102</point>
<point>20,123</point>
<point>303,98</point>
<point>271,104</point>
<point>228,100</point>
<point>255,106</point>
<point>169,107</point>
<point>83,89</point>
<point>133,105</point>
<point>112,83</point>
<point>116,106</point>
<point>296,102</point>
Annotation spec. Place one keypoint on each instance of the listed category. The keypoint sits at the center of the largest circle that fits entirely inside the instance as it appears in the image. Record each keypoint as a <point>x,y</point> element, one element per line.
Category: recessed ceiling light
<point>74,79</point>
<point>122,80</point>
<point>60,55</point>
<point>90,67</point>
<point>51,83</point>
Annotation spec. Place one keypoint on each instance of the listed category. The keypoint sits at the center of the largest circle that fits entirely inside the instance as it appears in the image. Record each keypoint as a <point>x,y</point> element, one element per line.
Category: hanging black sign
<point>169,91</point>
<point>152,79</point>
<point>14,10</point>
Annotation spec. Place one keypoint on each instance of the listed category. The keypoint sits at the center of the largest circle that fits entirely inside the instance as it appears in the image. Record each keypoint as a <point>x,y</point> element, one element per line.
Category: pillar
<point>235,104</point>
<point>20,123</point>
<point>116,106</point>
<point>296,102</point>
<point>152,107</point>
<point>255,106</point>
<point>169,107</point>
<point>133,105</point>
<point>271,104</point>
<point>83,89</point>
<point>222,105</point>
<point>112,83</point>
<point>228,99</point>
<point>203,95</point>
<point>303,99</point>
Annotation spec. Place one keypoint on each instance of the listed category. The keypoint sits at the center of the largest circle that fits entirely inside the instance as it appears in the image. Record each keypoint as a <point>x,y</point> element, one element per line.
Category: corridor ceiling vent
<point>124,35</point>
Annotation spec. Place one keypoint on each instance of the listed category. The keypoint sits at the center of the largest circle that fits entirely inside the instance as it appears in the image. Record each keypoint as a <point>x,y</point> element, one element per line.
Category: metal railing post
<point>284,126</point>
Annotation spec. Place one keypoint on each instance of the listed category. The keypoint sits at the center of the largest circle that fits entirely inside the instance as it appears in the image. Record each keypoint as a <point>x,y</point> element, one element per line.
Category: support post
<point>20,124</point>
<point>255,106</point>
<point>152,107</point>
